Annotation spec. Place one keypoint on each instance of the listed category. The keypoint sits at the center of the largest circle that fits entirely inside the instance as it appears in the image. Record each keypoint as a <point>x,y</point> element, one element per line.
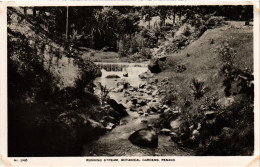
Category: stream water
<point>115,142</point>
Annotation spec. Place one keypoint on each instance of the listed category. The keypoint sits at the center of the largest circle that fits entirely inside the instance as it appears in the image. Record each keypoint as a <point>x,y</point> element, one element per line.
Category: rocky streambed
<point>139,92</point>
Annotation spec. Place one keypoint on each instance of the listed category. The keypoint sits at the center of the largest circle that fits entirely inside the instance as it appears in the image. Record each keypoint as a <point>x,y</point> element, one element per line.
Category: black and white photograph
<point>130,80</point>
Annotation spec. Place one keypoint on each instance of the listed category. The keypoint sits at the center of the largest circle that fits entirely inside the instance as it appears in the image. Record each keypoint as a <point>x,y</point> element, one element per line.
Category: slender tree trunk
<point>149,20</point>
<point>173,18</point>
<point>67,22</point>
<point>25,11</point>
<point>180,13</point>
<point>34,11</point>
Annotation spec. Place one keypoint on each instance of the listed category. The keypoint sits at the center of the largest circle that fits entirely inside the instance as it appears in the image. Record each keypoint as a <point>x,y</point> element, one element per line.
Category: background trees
<point>98,27</point>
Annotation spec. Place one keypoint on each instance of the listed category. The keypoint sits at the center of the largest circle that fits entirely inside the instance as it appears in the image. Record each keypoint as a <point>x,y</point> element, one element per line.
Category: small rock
<point>196,133</point>
<point>209,114</point>
<point>123,122</point>
<point>165,107</point>
<point>112,76</point>
<point>140,112</point>
<point>212,41</point>
<point>155,93</point>
<point>167,110</point>
<point>110,126</point>
<point>144,121</point>
<point>174,136</point>
<point>125,74</point>
<point>199,126</point>
<point>165,131</point>
<point>157,154</point>
<point>134,101</point>
<point>191,127</point>
<point>142,85</point>
<point>154,100</point>
<point>162,92</point>
<point>154,107</point>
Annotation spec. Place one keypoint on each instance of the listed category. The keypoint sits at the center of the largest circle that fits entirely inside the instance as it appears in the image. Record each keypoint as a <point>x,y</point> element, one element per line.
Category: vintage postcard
<point>129,83</point>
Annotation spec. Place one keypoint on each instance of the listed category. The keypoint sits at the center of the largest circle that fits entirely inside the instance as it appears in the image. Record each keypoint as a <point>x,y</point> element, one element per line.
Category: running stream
<point>115,142</point>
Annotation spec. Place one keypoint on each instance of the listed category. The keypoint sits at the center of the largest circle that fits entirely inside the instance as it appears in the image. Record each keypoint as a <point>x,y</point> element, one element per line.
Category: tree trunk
<point>67,22</point>
<point>173,18</point>
<point>34,11</point>
<point>25,11</point>
<point>180,16</point>
<point>180,13</point>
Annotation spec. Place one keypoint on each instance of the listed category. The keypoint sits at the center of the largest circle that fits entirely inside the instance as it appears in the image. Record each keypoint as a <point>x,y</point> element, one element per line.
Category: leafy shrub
<point>226,53</point>
<point>169,99</point>
<point>243,78</point>
<point>198,88</point>
<point>146,53</point>
<point>180,68</point>
<point>104,92</point>
<point>92,54</point>
<point>214,21</point>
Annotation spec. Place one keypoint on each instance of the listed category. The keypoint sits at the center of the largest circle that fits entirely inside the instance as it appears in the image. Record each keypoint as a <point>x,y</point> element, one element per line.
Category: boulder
<point>145,75</point>
<point>96,127</point>
<point>154,66</point>
<point>121,110</point>
<point>112,76</point>
<point>146,137</point>
<point>162,58</point>
<point>125,74</point>
<point>225,102</point>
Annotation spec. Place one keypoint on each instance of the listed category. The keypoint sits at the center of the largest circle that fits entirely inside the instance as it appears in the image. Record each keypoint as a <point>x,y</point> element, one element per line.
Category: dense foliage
<point>99,27</point>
